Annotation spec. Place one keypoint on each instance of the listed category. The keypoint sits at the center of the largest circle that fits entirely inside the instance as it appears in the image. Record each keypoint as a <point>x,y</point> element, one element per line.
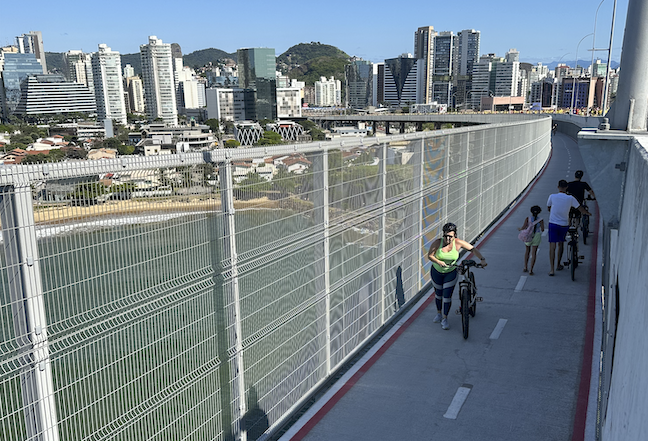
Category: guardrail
<point>212,309</point>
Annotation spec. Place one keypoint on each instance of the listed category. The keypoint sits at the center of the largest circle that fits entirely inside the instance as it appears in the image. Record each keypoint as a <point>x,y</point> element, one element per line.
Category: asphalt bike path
<point>522,374</point>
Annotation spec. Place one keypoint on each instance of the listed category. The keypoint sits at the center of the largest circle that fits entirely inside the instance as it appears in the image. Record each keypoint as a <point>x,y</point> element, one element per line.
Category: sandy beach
<point>57,214</point>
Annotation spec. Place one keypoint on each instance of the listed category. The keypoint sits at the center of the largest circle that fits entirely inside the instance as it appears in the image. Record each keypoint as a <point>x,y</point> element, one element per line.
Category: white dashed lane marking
<point>521,283</point>
<point>457,402</point>
<point>498,329</point>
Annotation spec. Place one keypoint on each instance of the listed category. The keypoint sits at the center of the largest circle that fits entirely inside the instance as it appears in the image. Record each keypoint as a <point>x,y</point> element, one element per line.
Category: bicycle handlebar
<point>465,264</point>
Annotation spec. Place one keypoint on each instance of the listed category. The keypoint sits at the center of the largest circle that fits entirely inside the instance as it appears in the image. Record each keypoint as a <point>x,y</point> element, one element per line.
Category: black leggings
<point>444,284</point>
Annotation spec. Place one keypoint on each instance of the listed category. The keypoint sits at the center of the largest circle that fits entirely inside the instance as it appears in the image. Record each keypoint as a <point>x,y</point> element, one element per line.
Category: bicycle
<point>572,247</point>
<point>585,220</point>
<point>467,294</point>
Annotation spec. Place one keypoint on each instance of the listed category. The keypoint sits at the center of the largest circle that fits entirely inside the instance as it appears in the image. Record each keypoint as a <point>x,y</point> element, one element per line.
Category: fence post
<point>321,206</point>
<point>418,175</point>
<point>28,311</point>
<point>382,237</point>
<point>227,205</point>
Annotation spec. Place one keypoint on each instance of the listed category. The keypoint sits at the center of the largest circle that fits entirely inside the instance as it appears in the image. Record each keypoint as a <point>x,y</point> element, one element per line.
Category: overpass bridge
<point>403,122</point>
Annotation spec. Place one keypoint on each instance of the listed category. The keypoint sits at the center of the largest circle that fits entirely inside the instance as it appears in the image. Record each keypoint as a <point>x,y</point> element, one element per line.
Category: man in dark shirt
<point>577,188</point>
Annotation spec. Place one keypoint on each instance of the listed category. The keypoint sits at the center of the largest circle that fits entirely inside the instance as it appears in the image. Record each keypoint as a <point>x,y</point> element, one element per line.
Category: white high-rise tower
<point>159,84</point>
<point>108,84</point>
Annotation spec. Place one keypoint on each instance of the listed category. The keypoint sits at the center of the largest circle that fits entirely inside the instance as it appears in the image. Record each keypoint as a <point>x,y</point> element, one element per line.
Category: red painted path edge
<point>580,418</point>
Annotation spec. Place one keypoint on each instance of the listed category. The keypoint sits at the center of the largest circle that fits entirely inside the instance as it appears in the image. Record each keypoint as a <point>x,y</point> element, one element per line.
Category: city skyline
<point>377,33</point>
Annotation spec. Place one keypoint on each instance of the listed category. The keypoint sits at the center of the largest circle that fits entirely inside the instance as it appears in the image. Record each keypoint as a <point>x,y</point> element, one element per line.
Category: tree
<point>231,143</point>
<point>111,143</point>
<point>270,138</point>
<point>126,149</point>
<point>214,125</point>
<point>315,132</point>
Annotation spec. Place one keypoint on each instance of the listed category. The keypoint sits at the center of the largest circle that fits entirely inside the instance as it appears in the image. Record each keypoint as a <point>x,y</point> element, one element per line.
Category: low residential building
<point>102,153</point>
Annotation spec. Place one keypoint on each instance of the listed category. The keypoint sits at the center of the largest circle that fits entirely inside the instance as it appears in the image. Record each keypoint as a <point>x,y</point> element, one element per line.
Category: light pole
<point>594,48</point>
<point>607,68</point>
<point>571,111</point>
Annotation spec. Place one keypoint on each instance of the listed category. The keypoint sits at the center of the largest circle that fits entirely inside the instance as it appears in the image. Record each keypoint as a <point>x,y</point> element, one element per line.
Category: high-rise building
<point>467,54</point>
<point>328,93</point>
<point>483,82</point>
<point>78,68</point>
<point>257,69</point>
<point>51,94</point>
<point>14,68</point>
<point>159,84</point>
<point>229,104</point>
<point>108,85</point>
<point>359,83</point>
<point>443,67</point>
<point>32,43</point>
<point>424,50</point>
<point>129,71</point>
<point>135,90</point>
<point>401,80</point>
<point>507,74</point>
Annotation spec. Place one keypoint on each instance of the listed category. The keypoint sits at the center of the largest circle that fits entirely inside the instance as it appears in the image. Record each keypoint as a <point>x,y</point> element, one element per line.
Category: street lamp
<point>594,48</point>
<point>607,68</point>
<point>571,111</point>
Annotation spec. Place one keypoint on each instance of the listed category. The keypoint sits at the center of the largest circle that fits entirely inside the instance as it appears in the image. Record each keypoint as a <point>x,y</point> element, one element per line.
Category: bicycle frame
<point>467,286</point>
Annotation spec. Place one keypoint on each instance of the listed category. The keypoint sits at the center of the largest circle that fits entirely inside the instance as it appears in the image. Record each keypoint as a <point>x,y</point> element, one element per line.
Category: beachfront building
<point>108,85</point>
<point>159,84</point>
<point>51,94</point>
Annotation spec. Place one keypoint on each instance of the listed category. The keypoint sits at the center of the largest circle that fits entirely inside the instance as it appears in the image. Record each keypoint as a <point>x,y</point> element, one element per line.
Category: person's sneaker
<point>437,318</point>
<point>444,324</point>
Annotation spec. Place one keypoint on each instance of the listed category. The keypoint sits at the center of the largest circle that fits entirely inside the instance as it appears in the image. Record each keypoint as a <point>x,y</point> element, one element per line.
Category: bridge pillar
<point>402,127</point>
<point>387,132</point>
<point>419,126</point>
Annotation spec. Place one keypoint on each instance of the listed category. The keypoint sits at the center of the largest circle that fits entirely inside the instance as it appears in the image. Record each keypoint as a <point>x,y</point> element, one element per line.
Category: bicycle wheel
<point>585,229</point>
<point>465,310</point>
<point>472,302</point>
<point>574,261</point>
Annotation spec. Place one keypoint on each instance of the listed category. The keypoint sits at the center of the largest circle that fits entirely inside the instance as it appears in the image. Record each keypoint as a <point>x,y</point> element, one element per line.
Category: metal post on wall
<point>28,311</point>
<point>227,205</point>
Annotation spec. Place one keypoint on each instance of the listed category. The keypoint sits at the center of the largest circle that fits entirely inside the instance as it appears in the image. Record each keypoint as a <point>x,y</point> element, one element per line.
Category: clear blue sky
<point>540,31</point>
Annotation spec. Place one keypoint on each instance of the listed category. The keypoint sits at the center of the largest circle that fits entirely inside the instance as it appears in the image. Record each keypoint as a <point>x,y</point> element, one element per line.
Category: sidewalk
<point>517,377</point>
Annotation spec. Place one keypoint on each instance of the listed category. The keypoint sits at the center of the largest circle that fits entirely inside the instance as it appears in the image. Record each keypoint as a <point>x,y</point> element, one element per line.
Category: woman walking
<point>532,246</point>
<point>444,253</point>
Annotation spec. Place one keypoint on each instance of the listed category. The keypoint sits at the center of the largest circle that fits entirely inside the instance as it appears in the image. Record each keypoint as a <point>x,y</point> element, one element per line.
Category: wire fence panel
<point>205,296</point>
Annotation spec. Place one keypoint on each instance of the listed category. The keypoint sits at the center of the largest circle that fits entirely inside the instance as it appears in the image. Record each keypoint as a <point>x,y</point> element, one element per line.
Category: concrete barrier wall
<point>624,414</point>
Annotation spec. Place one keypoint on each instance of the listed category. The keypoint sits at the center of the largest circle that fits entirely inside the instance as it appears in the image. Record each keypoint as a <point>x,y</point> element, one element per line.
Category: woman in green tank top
<point>443,254</point>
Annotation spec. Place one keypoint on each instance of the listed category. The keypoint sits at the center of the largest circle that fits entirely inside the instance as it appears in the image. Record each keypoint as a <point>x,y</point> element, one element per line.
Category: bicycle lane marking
<point>498,329</point>
<point>521,283</point>
<point>458,401</point>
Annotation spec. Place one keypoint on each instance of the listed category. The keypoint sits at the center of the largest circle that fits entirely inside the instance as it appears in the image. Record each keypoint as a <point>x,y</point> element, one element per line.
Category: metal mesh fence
<point>203,296</point>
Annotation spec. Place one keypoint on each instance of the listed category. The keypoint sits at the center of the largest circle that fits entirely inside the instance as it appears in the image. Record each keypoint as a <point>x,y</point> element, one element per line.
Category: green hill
<point>205,56</point>
<point>305,52</point>
<point>309,61</point>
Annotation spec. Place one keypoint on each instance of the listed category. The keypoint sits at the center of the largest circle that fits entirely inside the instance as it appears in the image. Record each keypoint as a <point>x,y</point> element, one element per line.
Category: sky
<point>540,31</point>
